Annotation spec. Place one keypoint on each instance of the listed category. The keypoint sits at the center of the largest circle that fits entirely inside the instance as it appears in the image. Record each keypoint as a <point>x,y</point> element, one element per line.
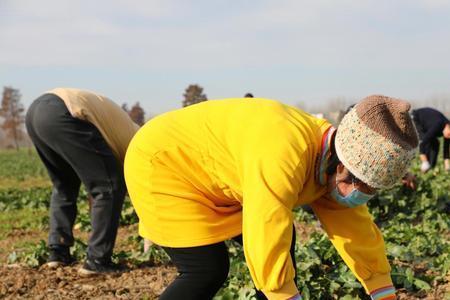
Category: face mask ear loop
<point>337,185</point>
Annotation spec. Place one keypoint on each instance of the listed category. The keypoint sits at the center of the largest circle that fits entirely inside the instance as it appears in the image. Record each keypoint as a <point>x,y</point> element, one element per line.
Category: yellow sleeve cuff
<point>288,290</point>
<point>377,281</point>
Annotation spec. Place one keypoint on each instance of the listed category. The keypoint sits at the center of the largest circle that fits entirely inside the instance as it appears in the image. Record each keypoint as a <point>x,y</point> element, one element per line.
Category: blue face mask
<point>355,198</point>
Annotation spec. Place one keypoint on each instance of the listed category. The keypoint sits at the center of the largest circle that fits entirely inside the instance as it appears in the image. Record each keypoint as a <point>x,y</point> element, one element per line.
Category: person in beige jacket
<point>82,137</point>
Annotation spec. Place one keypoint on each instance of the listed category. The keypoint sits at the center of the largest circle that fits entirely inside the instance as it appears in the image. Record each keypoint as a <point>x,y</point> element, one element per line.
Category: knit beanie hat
<point>377,140</point>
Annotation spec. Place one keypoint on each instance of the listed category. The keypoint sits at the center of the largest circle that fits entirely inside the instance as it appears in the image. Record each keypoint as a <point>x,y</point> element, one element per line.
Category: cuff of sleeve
<point>287,291</point>
<point>384,293</point>
<point>377,281</point>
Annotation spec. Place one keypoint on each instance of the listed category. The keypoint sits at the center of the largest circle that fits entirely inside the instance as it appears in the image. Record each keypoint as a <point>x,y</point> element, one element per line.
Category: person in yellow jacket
<point>82,136</point>
<point>235,168</point>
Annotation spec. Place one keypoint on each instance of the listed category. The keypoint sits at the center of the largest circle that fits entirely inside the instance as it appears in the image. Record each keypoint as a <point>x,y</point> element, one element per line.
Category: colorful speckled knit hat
<point>376,141</point>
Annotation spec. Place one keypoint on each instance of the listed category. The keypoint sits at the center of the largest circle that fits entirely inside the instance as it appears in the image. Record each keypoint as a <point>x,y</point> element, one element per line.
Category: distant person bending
<point>82,137</point>
<point>432,124</point>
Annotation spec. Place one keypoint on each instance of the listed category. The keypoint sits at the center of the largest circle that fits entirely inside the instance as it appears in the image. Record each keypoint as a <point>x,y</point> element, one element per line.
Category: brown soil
<point>65,283</point>
<point>143,282</point>
<point>139,283</point>
<point>18,281</point>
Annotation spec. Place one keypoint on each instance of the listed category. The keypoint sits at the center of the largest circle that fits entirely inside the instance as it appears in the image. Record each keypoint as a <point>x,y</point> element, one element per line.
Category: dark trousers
<point>432,152</point>
<point>203,270</point>
<point>431,149</point>
<point>74,151</point>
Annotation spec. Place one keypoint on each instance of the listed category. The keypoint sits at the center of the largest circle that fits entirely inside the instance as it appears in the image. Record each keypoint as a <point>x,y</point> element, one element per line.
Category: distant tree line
<point>12,112</point>
<point>136,113</point>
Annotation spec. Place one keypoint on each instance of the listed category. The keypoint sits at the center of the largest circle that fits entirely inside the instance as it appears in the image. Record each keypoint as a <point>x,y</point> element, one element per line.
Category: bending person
<point>236,169</point>
<point>81,136</point>
<point>432,124</point>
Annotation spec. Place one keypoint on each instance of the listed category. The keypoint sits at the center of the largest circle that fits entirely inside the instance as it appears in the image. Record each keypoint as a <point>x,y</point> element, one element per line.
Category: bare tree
<point>137,114</point>
<point>193,94</point>
<point>13,113</point>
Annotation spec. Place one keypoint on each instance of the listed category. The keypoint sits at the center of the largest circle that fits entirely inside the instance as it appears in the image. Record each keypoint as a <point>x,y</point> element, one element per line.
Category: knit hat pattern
<point>377,140</point>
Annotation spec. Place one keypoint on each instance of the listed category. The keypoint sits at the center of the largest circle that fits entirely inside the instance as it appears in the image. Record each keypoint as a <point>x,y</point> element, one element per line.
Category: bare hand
<point>409,181</point>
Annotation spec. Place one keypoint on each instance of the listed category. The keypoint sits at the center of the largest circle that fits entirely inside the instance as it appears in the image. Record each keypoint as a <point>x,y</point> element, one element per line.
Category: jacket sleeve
<point>270,189</point>
<point>358,241</point>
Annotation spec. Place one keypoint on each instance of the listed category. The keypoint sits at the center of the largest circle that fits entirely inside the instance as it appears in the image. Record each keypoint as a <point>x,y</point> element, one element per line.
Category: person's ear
<point>340,171</point>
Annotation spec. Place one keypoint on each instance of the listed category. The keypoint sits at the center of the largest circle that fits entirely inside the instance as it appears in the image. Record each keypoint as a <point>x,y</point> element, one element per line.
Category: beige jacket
<point>111,120</point>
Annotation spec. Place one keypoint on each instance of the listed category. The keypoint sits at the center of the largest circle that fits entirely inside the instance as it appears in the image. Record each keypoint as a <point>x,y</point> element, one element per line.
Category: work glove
<point>425,166</point>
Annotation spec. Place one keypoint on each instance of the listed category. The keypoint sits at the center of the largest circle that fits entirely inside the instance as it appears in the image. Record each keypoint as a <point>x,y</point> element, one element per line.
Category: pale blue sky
<point>290,50</point>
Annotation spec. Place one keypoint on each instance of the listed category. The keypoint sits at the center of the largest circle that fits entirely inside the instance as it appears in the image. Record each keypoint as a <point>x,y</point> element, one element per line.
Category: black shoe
<point>95,266</point>
<point>59,256</point>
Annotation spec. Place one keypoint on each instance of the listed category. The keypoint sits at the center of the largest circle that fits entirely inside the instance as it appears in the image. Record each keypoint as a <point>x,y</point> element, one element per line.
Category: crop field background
<point>415,225</point>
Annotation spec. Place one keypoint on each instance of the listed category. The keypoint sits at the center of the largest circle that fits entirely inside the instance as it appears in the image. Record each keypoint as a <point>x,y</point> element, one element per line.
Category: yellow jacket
<point>208,172</point>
